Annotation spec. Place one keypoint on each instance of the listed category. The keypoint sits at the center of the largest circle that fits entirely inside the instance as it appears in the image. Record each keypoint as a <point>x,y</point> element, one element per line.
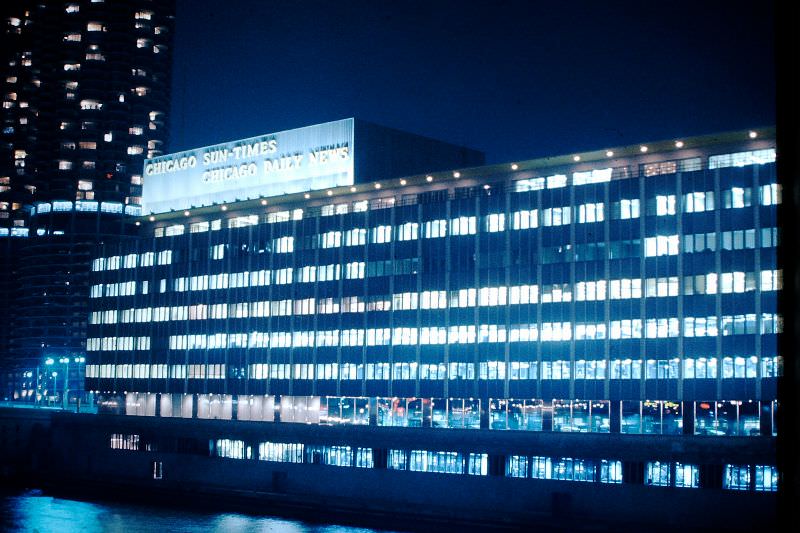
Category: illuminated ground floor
<point>733,418</point>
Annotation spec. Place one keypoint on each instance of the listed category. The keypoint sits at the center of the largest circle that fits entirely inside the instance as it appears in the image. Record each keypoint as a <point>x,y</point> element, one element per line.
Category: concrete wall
<point>80,454</point>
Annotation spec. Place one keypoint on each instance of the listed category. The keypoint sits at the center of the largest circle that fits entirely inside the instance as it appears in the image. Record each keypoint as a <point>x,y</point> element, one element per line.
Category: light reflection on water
<point>33,511</point>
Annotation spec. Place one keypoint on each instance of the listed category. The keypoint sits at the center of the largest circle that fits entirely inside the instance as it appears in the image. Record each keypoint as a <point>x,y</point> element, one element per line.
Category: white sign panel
<point>314,157</point>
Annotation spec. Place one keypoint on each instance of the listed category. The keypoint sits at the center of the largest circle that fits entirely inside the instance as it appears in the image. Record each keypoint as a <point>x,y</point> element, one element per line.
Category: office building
<point>623,293</point>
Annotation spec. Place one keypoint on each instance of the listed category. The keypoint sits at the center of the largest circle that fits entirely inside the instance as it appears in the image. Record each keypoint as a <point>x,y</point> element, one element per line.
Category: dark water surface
<point>34,511</point>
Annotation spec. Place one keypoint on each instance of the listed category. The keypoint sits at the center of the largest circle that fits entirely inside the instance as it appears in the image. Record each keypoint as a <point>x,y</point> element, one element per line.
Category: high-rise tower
<point>85,92</point>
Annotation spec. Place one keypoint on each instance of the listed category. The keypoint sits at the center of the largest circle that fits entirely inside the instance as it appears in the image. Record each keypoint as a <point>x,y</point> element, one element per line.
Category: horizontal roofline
<point>468,174</point>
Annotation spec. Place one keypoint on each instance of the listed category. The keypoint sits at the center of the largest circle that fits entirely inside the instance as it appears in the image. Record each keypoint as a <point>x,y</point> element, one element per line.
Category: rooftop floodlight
<point>186,213</point>
<point>678,144</point>
<point>377,185</point>
<point>224,207</point>
<point>514,166</point>
<point>306,196</point>
<point>330,193</point>
<point>152,218</point>
<point>353,189</point>
<point>576,158</point>
<point>429,178</point>
<point>456,174</point>
<point>609,154</point>
<point>752,135</point>
<point>263,202</point>
<point>643,149</point>
<point>403,182</point>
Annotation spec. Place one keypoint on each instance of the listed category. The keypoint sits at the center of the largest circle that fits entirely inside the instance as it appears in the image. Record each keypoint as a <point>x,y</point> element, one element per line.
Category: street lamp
<point>49,362</point>
<point>55,381</point>
<point>79,360</point>
<point>65,399</point>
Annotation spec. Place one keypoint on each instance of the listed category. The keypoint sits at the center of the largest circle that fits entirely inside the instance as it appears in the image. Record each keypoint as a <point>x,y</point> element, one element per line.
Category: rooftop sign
<point>314,157</point>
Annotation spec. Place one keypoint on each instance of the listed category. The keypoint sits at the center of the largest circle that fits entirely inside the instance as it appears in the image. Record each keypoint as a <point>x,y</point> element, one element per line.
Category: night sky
<point>516,80</point>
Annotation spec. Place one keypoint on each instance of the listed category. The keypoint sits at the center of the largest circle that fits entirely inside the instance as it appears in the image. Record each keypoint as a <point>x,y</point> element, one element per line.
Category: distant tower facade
<point>85,92</point>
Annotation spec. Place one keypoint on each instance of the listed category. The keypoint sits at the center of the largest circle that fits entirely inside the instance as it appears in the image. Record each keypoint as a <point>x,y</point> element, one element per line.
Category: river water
<point>35,512</point>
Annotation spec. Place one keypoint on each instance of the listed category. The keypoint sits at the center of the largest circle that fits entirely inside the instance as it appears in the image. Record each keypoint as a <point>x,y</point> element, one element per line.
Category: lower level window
<point>158,470</point>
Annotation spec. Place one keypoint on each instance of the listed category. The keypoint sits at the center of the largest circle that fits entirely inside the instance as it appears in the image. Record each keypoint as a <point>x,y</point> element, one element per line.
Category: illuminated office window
<point>658,474</point>
<point>328,272</point>
<point>442,462</point>
<point>660,287</point>
<point>766,478</point>
<point>527,219</point>
<point>407,231</point>
<point>330,239</point>
<point>517,466</point>
<point>354,270</point>
<point>355,237</point>
<point>381,234</point>
<point>464,298</point>
<point>435,229</point>
<point>610,471</point>
<point>243,221</point>
<point>569,469</point>
<point>737,197</point>
<point>532,184</point>
<point>590,290</point>
<point>232,449</point>
<point>490,296</point>
<point>736,477</point>
<point>281,452</point>
<point>599,175</point>
<point>112,263</point>
<point>464,226</point>
<point>522,294</point>
<point>770,194</point>
<point>478,464</point>
<point>495,222</point>
<point>198,227</point>
<point>665,205</point>
<point>556,181</point>
<point>175,229</point>
<point>283,245</point>
<point>625,288</point>
<point>771,280</point>
<point>741,159</point>
<point>697,202</point>
<point>591,213</point>
<point>556,216</point>
<point>541,467</point>
<point>661,245</point>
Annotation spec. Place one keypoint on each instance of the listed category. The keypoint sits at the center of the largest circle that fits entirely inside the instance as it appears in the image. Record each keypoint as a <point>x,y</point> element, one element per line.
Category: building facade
<point>86,91</point>
<point>624,291</point>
